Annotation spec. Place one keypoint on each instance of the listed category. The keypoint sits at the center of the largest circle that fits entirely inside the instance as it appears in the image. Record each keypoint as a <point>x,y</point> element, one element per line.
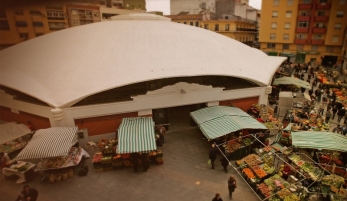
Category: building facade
<point>191,6</point>
<point>304,30</point>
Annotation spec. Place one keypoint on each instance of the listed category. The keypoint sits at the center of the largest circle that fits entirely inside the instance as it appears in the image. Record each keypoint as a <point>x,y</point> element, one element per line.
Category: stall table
<point>12,170</point>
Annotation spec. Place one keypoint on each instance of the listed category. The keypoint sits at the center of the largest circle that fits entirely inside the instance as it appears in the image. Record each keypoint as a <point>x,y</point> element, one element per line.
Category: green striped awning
<point>292,81</point>
<point>136,135</point>
<point>319,140</point>
<point>216,121</point>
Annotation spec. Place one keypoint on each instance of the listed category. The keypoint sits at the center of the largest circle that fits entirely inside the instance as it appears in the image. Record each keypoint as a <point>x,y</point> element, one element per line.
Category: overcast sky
<point>164,5</point>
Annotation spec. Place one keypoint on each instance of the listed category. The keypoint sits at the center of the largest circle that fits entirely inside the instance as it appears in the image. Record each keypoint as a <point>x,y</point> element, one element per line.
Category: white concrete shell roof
<point>66,66</point>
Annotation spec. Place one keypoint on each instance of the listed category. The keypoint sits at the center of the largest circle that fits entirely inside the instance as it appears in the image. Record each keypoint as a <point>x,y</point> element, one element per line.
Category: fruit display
<point>264,189</point>
<point>247,141</point>
<point>267,148</point>
<point>314,172</point>
<point>333,180</point>
<point>295,158</point>
<point>248,172</point>
<point>271,181</point>
<point>269,160</point>
<point>288,151</point>
<point>97,158</point>
<point>235,146</point>
<point>270,125</point>
<point>283,193</point>
<point>259,171</point>
<point>252,160</point>
<point>291,197</point>
<point>268,169</point>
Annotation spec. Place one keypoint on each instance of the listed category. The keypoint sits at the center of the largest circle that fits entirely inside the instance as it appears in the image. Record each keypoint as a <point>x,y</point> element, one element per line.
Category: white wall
<point>245,12</point>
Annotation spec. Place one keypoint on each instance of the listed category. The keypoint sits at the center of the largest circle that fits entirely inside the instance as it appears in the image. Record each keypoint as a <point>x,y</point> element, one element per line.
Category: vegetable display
<point>268,169</point>
<point>333,180</point>
<point>248,172</point>
<point>264,189</point>
<point>259,171</point>
<point>283,193</point>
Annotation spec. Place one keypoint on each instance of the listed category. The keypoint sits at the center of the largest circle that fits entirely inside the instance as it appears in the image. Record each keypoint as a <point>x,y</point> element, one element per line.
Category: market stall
<point>21,169</point>
<point>135,135</point>
<point>291,81</point>
<point>55,149</point>
<point>11,137</point>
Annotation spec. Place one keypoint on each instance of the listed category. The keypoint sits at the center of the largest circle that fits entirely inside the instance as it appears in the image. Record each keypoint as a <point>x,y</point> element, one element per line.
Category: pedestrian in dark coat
<point>30,193</point>
<point>310,92</point>
<point>135,160</point>
<point>231,186</point>
<point>224,162</point>
<point>213,155</point>
<point>341,113</point>
<point>217,197</point>
<point>327,116</point>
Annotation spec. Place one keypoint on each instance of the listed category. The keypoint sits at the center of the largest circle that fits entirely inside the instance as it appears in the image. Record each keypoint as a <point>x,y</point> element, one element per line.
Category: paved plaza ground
<point>185,176</point>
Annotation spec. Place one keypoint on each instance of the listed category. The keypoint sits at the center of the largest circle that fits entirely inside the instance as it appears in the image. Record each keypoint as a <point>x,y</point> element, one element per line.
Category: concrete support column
<point>61,118</point>
<point>147,112</point>
<point>212,103</point>
<point>263,98</point>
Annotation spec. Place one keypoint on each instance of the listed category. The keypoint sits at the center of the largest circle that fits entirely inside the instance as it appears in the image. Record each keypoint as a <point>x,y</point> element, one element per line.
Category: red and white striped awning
<point>50,142</point>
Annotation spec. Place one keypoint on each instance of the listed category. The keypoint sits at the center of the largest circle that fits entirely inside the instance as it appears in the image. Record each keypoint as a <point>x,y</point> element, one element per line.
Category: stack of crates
<point>107,164</point>
<point>159,158</point>
<point>126,160</point>
<point>117,163</point>
<point>97,162</point>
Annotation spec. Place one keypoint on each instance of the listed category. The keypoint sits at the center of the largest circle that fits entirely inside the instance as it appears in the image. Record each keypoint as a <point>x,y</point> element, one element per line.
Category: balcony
<point>300,41</point>
<point>303,18</point>
<point>320,30</point>
<point>321,18</point>
<point>317,42</point>
<point>322,6</point>
<point>244,29</point>
<point>305,6</point>
<point>301,30</point>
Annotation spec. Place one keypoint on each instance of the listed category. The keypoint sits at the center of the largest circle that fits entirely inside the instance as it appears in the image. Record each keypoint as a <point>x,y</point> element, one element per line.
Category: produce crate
<point>97,165</point>
<point>159,155</point>
<point>117,163</point>
<point>125,156</point>
<point>127,163</point>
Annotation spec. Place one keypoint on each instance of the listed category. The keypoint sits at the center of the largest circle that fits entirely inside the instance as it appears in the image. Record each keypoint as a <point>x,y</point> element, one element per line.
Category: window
<point>56,25</point>
<point>184,22</point>
<point>271,45</point>
<point>18,12</point>
<point>288,14</point>
<point>287,25</point>
<point>317,37</point>
<point>285,46</point>
<point>227,27</point>
<point>301,36</point>
<point>24,35</point>
<point>340,14</point>
<point>273,25</point>
<point>96,14</point>
<point>55,15</point>
<point>39,34</point>
<point>75,22</point>
<point>299,47</point>
<point>191,23</point>
<point>216,27</point>
<point>35,12</point>
<point>303,24</point>
<point>276,2</point>
<point>203,5</point>
<point>330,49</point>
<point>321,13</point>
<point>337,26</point>
<point>342,2</point>
<point>197,24</point>
<point>314,48</point>
<point>205,26</point>
<point>4,25</point>
<point>336,39</point>
<point>119,5</point>
<point>272,36</point>
<point>285,36</point>
<point>274,14</point>
<point>37,24</point>
<point>21,24</point>
<point>289,2</point>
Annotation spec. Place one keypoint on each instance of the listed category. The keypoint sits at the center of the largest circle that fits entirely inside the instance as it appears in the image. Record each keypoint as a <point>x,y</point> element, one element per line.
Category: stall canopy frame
<point>216,121</point>
<point>12,130</point>
<point>49,143</point>
<point>136,135</point>
<point>319,140</point>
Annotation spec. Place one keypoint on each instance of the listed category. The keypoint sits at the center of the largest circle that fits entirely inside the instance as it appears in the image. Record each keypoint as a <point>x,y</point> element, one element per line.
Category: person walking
<point>162,132</point>
<point>217,197</point>
<point>224,162</point>
<point>135,160</point>
<point>30,193</point>
<point>321,109</point>
<point>213,155</point>
<point>327,116</point>
<point>341,113</point>
<point>231,186</point>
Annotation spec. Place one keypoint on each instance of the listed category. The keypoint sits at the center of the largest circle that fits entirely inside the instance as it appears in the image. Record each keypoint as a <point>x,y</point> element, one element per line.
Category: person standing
<point>145,161</point>
<point>30,193</point>
<point>162,132</point>
<point>231,186</point>
<point>217,197</point>
<point>213,155</point>
<point>327,116</point>
<point>135,160</point>
<point>224,162</point>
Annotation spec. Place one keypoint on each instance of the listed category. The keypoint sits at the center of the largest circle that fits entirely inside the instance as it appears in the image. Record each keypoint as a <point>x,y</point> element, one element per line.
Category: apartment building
<point>82,14</point>
<point>304,30</point>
